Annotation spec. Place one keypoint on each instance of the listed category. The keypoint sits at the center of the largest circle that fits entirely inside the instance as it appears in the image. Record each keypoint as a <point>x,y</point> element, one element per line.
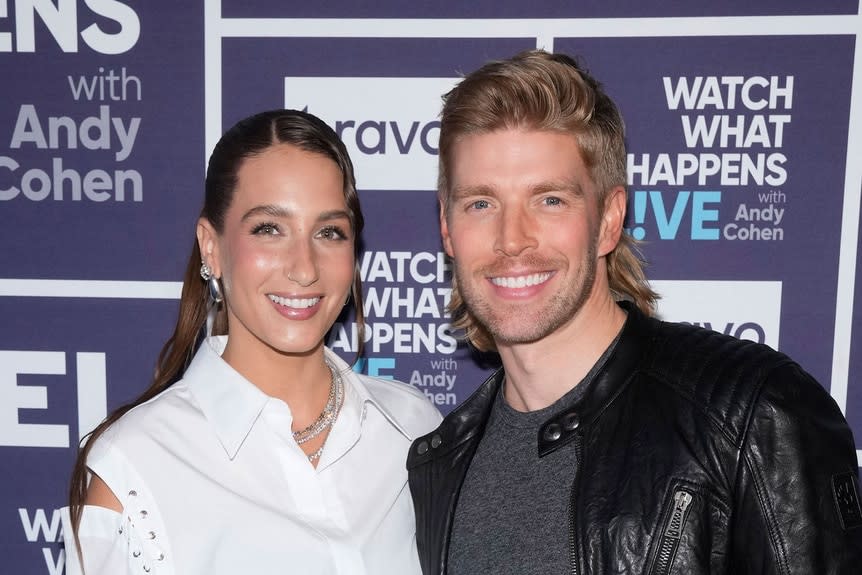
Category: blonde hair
<point>536,90</point>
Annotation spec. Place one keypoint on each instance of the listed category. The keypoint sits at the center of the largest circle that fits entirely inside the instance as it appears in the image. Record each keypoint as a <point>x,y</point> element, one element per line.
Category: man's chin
<point>524,333</point>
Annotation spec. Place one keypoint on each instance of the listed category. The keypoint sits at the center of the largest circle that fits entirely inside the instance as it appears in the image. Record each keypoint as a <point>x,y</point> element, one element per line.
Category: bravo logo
<point>389,125</point>
<point>115,29</point>
<point>91,395</point>
<point>744,309</point>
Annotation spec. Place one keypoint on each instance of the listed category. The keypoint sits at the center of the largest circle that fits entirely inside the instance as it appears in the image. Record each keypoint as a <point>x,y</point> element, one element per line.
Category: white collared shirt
<point>212,482</point>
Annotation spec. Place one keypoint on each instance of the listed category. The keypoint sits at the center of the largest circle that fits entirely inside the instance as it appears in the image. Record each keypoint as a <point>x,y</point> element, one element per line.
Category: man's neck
<point>541,372</point>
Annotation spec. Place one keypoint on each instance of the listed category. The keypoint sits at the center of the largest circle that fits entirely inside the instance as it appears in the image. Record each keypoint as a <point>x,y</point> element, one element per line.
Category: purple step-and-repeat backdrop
<point>744,140</point>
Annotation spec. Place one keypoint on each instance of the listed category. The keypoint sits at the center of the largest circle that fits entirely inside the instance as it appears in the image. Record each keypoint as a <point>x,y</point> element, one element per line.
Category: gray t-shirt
<point>512,516</point>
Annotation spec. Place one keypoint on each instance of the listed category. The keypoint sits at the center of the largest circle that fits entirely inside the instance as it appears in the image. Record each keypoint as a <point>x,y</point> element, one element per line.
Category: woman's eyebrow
<point>271,210</point>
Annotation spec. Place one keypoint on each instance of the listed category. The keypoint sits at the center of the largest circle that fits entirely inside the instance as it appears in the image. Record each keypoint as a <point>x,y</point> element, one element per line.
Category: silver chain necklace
<point>327,417</point>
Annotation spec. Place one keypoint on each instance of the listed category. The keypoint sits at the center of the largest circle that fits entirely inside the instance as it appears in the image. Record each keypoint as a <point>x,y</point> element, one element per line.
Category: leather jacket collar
<point>467,421</point>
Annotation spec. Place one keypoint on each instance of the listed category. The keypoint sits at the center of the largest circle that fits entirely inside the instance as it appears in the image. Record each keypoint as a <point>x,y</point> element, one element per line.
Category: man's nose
<point>516,232</point>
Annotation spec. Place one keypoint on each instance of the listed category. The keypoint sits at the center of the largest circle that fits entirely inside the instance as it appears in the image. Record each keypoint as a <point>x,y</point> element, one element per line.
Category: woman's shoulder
<point>407,407</point>
<point>169,413</point>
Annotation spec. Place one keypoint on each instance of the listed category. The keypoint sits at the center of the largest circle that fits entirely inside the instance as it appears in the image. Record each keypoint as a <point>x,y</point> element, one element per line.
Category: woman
<point>264,453</point>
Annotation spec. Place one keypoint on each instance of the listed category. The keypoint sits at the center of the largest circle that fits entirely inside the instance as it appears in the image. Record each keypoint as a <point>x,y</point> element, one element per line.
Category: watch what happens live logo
<point>734,129</point>
<point>81,154</point>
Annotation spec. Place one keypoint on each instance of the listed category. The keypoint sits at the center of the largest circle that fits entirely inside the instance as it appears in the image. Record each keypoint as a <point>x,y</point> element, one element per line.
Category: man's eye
<point>479,205</point>
<point>553,201</point>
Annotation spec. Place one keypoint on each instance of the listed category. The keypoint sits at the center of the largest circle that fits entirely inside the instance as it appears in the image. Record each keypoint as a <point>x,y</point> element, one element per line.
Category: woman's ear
<point>209,245</point>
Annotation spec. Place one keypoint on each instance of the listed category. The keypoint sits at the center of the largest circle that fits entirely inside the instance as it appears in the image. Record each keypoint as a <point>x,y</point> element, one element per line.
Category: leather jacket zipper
<point>672,532</point>
<point>573,550</point>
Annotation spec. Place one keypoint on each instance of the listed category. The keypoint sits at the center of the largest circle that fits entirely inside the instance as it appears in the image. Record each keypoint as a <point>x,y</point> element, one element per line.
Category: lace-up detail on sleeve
<point>133,542</point>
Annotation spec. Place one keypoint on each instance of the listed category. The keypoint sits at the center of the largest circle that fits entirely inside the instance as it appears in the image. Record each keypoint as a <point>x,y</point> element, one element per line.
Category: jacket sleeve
<point>797,490</point>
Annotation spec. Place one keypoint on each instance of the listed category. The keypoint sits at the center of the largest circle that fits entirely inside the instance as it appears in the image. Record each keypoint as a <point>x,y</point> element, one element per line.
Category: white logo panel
<point>744,309</point>
<point>389,125</point>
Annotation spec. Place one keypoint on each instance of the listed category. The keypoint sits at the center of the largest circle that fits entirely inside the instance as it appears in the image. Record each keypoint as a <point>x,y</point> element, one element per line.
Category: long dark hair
<point>246,139</point>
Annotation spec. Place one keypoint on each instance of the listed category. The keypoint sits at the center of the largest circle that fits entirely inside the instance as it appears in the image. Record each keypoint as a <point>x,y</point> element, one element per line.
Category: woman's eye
<point>265,229</point>
<point>332,233</point>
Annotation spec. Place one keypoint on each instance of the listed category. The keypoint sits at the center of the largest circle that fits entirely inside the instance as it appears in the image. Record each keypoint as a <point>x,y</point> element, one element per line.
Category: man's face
<point>524,230</point>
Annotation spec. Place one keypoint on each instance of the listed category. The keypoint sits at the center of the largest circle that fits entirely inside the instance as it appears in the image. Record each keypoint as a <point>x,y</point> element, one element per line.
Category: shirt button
<point>552,432</point>
<point>436,441</point>
<point>422,448</point>
<point>571,421</point>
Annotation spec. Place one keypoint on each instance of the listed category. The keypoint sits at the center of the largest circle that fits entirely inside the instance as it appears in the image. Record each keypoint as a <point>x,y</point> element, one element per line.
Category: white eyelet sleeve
<point>133,542</point>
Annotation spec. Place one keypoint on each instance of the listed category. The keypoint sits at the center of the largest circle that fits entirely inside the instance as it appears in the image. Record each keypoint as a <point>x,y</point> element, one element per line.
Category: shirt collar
<point>366,396</point>
<point>232,404</point>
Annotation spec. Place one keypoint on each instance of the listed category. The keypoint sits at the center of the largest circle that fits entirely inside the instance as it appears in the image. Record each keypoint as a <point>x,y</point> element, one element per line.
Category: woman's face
<point>286,254</point>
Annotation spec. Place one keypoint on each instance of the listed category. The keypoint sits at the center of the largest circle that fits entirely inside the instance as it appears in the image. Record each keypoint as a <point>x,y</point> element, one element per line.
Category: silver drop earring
<point>213,286</point>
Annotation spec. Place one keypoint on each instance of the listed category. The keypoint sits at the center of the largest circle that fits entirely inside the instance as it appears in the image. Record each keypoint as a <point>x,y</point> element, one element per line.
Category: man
<point>608,442</point>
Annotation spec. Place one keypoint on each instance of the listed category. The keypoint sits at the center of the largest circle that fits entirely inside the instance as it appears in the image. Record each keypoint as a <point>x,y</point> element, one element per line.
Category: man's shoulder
<point>722,375</point>
<point>685,353</point>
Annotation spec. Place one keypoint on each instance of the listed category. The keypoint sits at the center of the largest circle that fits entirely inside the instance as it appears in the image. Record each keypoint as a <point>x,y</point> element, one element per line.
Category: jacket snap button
<point>422,448</point>
<point>436,441</point>
<point>552,432</point>
<point>571,421</point>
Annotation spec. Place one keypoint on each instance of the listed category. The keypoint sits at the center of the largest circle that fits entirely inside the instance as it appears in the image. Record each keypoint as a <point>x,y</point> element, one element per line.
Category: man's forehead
<point>534,158</point>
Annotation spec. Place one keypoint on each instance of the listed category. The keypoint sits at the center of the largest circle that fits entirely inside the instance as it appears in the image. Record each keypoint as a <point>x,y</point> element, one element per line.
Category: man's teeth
<point>521,281</point>
<point>294,302</point>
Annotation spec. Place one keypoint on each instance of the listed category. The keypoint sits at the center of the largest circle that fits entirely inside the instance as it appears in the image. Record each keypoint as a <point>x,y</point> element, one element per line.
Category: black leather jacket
<point>698,453</point>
